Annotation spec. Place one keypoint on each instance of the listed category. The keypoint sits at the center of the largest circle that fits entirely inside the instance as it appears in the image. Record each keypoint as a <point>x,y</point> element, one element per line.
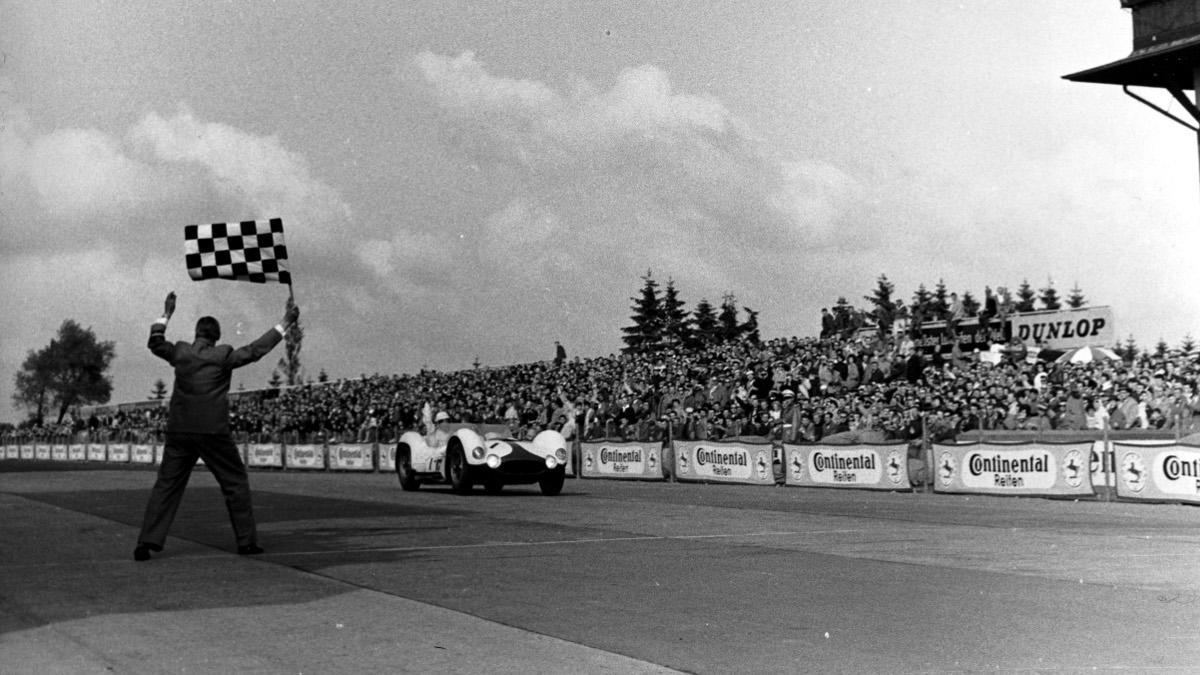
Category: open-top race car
<point>482,454</point>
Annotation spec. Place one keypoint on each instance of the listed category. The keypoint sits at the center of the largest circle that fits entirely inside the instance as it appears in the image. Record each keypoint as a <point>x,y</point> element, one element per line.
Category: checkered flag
<point>251,250</point>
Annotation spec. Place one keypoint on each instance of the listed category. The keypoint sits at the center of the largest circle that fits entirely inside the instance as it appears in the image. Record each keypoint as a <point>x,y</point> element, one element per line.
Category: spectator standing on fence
<point>828,324</point>
<point>560,353</point>
<point>198,426</point>
<point>955,314</point>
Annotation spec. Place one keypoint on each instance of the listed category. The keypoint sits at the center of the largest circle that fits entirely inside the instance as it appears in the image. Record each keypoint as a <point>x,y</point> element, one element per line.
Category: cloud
<point>92,228</point>
<point>637,152</point>
<point>636,174</point>
<point>253,170</point>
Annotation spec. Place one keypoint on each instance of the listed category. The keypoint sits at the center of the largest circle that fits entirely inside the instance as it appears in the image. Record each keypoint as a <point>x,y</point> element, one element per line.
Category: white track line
<point>557,542</point>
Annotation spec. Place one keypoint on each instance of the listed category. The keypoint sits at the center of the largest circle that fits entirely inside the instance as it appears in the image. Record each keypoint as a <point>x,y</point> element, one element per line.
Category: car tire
<point>458,470</point>
<point>404,470</point>
<point>552,483</point>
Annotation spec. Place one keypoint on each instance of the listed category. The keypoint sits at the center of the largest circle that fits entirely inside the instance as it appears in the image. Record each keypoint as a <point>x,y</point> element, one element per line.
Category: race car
<point>482,454</point>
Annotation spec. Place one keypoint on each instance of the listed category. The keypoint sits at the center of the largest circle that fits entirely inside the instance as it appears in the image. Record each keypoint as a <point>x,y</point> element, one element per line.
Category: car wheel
<point>404,470</point>
<point>460,473</point>
<point>552,483</point>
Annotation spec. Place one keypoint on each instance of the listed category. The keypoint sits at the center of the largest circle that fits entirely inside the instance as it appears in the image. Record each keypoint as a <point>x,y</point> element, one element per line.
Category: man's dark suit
<point>198,427</point>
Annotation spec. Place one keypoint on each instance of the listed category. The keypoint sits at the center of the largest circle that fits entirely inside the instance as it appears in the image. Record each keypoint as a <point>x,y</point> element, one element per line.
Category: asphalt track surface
<point>608,577</point>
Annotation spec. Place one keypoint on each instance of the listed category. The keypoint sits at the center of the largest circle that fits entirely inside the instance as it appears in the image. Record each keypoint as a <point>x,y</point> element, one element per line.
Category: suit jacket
<point>200,400</point>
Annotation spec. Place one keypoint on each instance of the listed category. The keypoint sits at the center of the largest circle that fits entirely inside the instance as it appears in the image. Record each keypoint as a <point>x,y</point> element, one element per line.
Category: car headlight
<point>561,456</point>
<point>493,461</point>
<point>477,453</point>
<point>551,462</point>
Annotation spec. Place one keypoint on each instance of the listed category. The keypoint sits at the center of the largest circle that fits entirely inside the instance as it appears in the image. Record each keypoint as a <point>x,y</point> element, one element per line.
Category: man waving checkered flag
<point>252,250</point>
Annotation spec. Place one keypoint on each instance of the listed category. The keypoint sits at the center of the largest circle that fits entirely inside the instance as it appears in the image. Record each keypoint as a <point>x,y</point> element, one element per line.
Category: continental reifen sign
<point>622,460</point>
<point>1157,472</point>
<point>1019,469</point>
<point>877,467</point>
<point>724,462</point>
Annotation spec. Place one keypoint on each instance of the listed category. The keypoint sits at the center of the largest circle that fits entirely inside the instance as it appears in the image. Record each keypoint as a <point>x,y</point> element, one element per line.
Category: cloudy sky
<point>477,180</point>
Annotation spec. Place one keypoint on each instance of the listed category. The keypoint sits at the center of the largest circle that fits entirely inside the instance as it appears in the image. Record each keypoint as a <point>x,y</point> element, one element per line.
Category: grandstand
<point>786,389</point>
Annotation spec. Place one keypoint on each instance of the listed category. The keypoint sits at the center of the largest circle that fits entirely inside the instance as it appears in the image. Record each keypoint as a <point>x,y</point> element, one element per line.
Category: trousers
<point>222,458</point>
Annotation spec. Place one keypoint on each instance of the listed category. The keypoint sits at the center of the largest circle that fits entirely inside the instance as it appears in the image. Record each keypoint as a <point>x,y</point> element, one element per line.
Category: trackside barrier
<point>867,466</point>
<point>264,455</point>
<point>304,456</point>
<point>1155,472</point>
<point>77,452</point>
<point>97,452</point>
<point>141,453</point>
<point>12,452</point>
<point>41,451</point>
<point>724,462</point>
<point>351,456</point>
<point>118,453</point>
<point>1032,469</point>
<point>58,453</point>
<point>622,460</point>
<point>387,457</point>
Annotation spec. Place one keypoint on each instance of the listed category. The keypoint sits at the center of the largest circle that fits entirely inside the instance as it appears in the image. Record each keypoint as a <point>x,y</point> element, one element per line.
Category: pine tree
<point>646,332</point>
<point>676,324</point>
<point>322,376</point>
<point>1076,300</point>
<point>1188,345</point>
<point>1025,297</point>
<point>1049,296</point>
<point>704,324</point>
<point>920,307</point>
<point>971,306</point>
<point>289,364</point>
<point>1161,348</point>
<point>1131,349</point>
<point>275,380</point>
<point>940,306</point>
<point>159,392</point>
<point>885,309</point>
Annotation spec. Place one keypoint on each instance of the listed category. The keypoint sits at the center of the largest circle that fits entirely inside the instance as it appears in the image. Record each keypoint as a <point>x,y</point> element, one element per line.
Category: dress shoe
<point>251,549</point>
<point>141,553</point>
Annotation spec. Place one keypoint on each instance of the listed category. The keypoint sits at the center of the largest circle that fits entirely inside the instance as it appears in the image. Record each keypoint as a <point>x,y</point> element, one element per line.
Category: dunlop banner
<point>304,456</point>
<point>77,452</point>
<point>141,453</point>
<point>1026,469</point>
<point>724,462</point>
<point>28,452</point>
<point>97,452</point>
<point>264,454</point>
<point>351,456</point>
<point>616,459</point>
<point>1158,472</point>
<point>1065,329</point>
<point>875,467</point>
<point>41,451</point>
<point>59,453</point>
<point>118,452</point>
<point>13,452</point>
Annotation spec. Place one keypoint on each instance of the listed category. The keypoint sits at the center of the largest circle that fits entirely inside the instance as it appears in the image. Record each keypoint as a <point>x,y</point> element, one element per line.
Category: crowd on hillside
<point>791,389</point>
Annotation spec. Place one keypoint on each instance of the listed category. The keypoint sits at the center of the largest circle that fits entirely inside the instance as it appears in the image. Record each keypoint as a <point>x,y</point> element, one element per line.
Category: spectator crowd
<point>789,389</point>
